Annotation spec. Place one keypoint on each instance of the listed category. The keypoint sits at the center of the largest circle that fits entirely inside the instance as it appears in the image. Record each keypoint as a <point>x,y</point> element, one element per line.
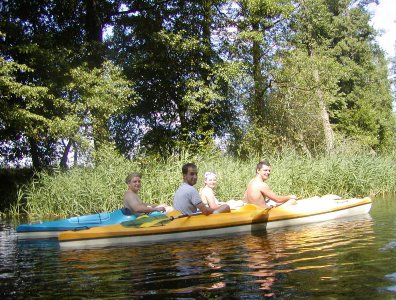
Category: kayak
<point>248,218</point>
<point>53,228</point>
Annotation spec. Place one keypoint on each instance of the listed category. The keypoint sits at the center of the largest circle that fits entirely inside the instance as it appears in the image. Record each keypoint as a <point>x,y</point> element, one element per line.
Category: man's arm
<point>137,206</point>
<point>207,210</point>
<point>267,192</point>
<point>204,209</point>
<point>210,197</point>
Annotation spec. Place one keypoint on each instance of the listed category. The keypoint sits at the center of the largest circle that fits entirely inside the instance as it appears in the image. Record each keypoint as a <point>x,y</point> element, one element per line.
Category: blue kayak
<point>53,228</point>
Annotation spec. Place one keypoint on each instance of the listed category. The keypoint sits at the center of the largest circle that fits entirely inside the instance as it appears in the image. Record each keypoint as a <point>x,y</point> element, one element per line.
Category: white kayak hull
<point>180,229</point>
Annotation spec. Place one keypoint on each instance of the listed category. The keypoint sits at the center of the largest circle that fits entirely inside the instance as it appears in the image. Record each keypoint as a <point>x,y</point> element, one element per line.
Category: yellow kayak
<point>248,218</point>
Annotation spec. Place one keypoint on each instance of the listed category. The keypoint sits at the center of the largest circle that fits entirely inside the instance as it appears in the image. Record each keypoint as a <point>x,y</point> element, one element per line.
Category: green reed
<point>80,191</point>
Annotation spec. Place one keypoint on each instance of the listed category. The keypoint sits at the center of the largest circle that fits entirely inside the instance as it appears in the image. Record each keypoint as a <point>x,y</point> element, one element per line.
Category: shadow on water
<point>44,244</point>
<point>349,258</point>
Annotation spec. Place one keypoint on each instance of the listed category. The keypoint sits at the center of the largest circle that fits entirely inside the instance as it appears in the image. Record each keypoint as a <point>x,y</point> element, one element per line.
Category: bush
<point>82,191</point>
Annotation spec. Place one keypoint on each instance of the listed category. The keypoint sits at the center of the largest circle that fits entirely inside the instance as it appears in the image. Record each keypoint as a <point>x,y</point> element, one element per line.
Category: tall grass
<point>82,191</point>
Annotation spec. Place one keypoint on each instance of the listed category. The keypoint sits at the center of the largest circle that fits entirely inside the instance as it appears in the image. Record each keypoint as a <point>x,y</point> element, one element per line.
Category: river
<point>353,258</point>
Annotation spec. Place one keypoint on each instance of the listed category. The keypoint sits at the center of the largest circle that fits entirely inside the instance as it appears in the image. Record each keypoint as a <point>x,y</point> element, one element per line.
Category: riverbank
<point>11,181</point>
<point>81,191</point>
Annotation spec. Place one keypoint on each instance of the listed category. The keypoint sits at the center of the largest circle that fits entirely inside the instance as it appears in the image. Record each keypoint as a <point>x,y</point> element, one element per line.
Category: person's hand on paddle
<point>292,199</point>
<point>160,209</point>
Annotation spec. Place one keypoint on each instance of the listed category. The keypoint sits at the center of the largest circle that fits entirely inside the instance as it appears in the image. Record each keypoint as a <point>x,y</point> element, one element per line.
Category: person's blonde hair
<point>209,174</point>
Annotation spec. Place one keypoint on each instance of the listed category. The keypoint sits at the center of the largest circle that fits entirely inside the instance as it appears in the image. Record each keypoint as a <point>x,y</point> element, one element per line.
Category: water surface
<point>352,258</point>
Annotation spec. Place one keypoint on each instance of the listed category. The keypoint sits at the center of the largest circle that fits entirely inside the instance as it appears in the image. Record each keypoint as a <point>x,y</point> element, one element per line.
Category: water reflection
<point>31,244</point>
<point>260,255</point>
<point>307,250</point>
<point>344,259</point>
<point>198,270</point>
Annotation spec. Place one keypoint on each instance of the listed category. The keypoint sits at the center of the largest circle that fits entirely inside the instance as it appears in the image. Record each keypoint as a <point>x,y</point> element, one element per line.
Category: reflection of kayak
<point>53,228</point>
<point>245,219</point>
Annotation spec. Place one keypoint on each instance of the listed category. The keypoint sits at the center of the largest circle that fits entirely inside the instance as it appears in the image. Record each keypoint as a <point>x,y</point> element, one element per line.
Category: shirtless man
<point>132,200</point>
<point>258,191</point>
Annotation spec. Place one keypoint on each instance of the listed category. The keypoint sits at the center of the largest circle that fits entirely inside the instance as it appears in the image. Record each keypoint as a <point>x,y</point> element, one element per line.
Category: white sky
<point>384,17</point>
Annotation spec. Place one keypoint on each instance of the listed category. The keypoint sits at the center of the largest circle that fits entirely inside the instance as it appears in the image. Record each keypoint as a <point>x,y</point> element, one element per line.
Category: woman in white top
<point>208,196</point>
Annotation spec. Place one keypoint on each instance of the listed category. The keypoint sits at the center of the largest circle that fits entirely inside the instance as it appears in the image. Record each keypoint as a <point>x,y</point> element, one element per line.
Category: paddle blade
<point>147,221</point>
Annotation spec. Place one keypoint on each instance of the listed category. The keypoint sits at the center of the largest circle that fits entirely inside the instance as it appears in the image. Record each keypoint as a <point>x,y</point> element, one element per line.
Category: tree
<point>91,100</point>
<point>363,110</point>
<point>23,115</point>
<point>49,38</point>
<point>260,25</point>
<point>313,27</point>
<point>166,48</point>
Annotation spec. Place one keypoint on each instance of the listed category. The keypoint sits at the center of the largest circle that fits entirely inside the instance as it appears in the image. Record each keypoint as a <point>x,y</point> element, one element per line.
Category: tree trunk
<point>327,130</point>
<point>63,162</point>
<point>206,32</point>
<point>36,161</point>
<point>75,153</point>
<point>258,96</point>
<point>94,28</point>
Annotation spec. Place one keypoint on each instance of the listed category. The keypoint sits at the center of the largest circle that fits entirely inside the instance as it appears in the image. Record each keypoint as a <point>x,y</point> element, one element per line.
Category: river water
<point>352,258</point>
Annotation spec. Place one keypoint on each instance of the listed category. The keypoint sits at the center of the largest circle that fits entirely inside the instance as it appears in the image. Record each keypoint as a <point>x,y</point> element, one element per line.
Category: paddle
<point>184,216</point>
<point>152,221</point>
<point>279,204</point>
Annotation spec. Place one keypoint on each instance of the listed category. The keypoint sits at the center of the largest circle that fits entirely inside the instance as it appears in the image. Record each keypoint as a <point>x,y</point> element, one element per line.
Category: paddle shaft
<point>184,216</point>
<point>277,205</point>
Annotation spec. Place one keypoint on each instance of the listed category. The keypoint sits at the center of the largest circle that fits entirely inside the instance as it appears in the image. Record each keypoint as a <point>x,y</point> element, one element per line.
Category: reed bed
<point>80,191</point>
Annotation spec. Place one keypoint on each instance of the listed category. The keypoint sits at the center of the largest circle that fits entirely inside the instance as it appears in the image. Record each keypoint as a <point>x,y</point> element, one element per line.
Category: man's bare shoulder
<point>257,184</point>
<point>131,196</point>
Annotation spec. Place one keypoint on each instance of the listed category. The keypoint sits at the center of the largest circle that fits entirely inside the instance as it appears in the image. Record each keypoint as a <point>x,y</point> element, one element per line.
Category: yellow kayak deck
<point>247,218</point>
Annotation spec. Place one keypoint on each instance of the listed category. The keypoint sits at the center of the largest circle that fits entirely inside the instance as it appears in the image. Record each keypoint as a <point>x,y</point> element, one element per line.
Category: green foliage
<point>259,75</point>
<point>294,109</point>
<point>92,97</point>
<point>363,109</point>
<point>81,191</point>
<point>24,109</point>
<point>183,83</point>
<point>260,24</point>
<point>328,77</point>
<point>10,87</point>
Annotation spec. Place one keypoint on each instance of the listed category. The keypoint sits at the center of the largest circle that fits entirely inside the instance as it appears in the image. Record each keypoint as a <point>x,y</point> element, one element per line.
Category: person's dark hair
<point>131,175</point>
<point>263,163</point>
<point>186,166</point>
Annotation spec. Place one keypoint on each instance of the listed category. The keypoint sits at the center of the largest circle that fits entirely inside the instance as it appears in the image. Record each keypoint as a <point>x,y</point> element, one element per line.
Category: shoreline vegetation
<point>291,77</point>
<point>85,190</point>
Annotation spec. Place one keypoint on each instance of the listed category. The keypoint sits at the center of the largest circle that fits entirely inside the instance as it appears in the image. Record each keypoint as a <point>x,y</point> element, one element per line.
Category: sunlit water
<point>351,258</point>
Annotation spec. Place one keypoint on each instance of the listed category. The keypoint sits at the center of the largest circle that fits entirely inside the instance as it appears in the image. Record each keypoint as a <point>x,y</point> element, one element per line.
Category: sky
<point>384,17</point>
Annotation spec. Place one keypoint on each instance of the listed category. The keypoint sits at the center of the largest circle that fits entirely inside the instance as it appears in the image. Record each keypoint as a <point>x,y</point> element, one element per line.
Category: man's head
<point>134,181</point>
<point>263,169</point>
<point>131,175</point>
<point>190,173</point>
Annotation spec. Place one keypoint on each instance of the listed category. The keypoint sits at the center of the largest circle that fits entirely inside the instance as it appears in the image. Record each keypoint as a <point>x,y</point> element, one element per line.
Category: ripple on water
<point>391,276</point>
<point>389,246</point>
<point>331,260</point>
<point>391,288</point>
